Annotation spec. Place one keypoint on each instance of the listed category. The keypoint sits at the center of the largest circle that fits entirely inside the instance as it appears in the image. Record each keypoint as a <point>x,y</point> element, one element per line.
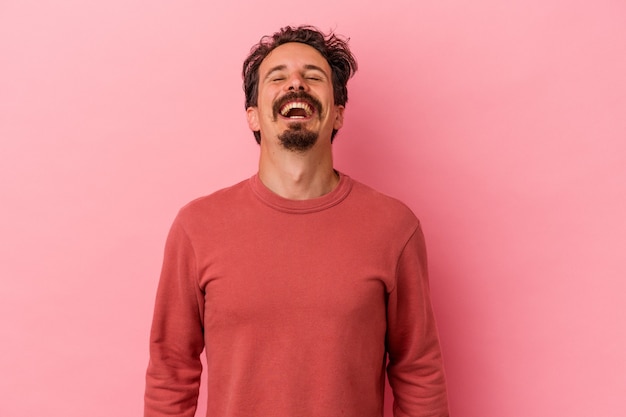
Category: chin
<point>298,138</point>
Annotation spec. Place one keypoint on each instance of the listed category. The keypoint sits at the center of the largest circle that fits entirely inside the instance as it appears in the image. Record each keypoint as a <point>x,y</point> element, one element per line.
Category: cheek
<point>268,105</point>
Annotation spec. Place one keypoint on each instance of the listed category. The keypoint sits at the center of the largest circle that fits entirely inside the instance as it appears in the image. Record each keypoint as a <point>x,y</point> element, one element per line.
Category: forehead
<point>293,55</point>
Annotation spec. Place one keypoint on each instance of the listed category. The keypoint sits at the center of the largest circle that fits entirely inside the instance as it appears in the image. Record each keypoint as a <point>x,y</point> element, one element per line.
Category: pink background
<point>502,124</point>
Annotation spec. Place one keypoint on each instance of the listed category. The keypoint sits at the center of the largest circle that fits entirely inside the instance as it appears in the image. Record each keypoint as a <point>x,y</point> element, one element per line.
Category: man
<point>300,282</point>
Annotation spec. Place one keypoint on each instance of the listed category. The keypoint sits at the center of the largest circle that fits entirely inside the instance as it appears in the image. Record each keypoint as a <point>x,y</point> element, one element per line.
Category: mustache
<point>296,95</point>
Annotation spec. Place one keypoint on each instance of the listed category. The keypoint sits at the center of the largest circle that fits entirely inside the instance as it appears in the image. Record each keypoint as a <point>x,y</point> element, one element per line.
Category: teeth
<point>296,105</point>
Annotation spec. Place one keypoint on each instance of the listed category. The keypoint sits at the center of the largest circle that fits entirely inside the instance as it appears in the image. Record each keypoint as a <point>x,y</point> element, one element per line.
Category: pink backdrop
<point>502,124</point>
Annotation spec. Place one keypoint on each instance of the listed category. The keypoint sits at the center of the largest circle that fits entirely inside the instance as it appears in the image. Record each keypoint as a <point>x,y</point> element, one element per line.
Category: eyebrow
<point>316,68</point>
<point>306,67</point>
<point>274,69</point>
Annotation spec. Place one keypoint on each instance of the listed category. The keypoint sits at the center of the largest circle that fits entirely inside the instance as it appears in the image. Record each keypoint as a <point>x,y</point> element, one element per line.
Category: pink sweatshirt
<point>298,304</point>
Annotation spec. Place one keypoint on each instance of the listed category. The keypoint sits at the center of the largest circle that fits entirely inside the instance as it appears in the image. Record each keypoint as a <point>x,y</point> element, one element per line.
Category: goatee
<point>298,138</point>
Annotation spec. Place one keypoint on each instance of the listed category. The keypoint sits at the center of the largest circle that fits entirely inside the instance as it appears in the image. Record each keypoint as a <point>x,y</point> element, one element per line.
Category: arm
<point>176,339</point>
<point>415,367</point>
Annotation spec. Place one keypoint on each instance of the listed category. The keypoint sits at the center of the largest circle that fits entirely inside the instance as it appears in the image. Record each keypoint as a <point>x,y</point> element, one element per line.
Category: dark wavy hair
<point>332,47</point>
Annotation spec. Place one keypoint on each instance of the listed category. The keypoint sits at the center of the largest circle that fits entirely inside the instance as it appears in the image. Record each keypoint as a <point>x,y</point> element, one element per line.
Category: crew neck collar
<point>336,196</point>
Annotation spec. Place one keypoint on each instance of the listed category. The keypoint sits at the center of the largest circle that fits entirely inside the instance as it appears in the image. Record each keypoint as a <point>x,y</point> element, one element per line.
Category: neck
<point>298,175</point>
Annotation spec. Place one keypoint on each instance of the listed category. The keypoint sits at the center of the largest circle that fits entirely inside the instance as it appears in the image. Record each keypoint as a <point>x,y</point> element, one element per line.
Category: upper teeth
<point>296,105</point>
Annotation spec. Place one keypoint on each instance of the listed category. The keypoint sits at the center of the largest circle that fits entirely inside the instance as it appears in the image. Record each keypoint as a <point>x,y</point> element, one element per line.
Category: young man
<point>300,282</point>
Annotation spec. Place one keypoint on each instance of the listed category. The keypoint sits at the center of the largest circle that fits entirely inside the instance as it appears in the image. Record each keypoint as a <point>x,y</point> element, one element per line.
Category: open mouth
<point>296,110</point>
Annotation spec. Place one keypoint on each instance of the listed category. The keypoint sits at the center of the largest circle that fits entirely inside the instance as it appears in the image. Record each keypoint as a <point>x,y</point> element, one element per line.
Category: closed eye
<point>275,74</point>
<point>315,73</point>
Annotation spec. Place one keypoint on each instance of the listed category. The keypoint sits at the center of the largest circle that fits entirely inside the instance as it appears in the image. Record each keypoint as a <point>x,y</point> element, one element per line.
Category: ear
<point>252,113</point>
<point>338,117</point>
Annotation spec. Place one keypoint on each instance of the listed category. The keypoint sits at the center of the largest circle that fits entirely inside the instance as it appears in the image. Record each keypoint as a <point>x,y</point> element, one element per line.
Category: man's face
<point>295,104</point>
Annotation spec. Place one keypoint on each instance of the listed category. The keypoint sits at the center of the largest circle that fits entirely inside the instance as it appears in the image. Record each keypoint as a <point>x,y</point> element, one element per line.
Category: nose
<point>296,82</point>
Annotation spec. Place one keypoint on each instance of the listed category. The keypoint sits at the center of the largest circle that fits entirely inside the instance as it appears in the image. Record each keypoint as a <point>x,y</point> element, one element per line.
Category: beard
<point>298,138</point>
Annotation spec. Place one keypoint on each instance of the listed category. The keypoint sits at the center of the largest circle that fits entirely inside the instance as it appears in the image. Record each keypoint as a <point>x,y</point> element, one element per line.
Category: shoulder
<point>214,205</point>
<point>388,208</point>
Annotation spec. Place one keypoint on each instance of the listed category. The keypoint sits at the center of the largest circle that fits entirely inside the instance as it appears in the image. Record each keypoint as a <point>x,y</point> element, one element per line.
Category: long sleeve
<point>415,367</point>
<point>176,340</point>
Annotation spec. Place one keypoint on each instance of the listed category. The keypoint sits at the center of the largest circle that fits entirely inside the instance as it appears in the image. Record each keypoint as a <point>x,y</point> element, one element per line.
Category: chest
<point>299,271</point>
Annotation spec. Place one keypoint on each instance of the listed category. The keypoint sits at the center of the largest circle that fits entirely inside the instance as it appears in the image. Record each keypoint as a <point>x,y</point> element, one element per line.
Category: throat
<point>297,185</point>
